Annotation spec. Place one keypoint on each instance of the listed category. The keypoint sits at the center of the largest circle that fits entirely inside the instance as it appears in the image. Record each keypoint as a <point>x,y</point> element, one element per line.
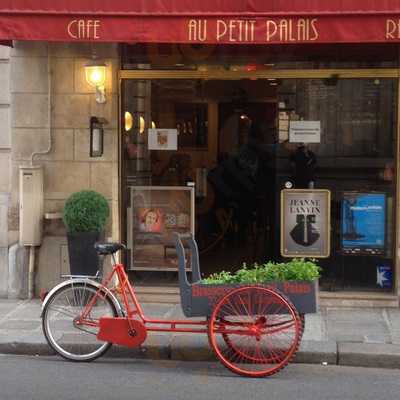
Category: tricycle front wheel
<point>254,331</point>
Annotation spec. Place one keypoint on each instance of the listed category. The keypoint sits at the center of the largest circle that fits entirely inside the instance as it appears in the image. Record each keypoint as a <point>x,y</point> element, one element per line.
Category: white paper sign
<point>163,139</point>
<point>305,132</point>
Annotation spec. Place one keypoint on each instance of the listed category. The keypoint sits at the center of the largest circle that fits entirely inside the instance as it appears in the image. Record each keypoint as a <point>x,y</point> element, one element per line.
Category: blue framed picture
<point>363,223</point>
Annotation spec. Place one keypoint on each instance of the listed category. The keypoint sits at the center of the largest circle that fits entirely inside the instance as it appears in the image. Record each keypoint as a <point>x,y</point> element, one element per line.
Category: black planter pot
<point>83,258</point>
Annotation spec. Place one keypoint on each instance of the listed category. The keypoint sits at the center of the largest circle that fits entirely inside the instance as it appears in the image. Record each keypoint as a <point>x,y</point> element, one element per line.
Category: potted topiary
<point>85,214</point>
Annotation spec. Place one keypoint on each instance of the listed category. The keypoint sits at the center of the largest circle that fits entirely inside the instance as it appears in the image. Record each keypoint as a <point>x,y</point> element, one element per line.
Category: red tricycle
<point>254,330</point>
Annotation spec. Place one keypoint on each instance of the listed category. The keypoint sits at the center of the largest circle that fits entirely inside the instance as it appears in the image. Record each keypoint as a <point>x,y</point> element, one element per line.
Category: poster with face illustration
<point>150,220</point>
<point>305,223</point>
<point>155,213</point>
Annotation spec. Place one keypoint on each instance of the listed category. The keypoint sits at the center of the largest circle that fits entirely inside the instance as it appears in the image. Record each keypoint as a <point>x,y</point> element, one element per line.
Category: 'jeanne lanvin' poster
<point>305,223</point>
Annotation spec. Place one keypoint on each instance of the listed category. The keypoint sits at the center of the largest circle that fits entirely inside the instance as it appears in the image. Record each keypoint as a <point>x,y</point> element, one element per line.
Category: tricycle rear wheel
<point>61,316</point>
<point>254,331</point>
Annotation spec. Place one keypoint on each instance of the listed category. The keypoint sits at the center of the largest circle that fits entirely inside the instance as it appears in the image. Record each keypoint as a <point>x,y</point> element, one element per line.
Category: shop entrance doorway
<point>237,228</point>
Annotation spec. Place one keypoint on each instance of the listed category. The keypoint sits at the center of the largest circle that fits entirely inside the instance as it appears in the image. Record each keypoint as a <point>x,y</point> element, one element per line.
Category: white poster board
<point>305,132</point>
<point>163,139</point>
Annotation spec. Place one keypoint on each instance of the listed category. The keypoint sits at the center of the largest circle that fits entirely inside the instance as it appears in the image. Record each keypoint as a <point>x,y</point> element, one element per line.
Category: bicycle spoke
<point>72,336</point>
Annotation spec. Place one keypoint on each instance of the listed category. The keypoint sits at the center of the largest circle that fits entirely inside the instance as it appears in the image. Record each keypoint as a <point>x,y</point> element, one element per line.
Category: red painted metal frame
<point>132,307</point>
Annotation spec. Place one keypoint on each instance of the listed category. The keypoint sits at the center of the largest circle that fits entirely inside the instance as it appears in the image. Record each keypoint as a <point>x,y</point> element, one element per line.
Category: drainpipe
<point>31,273</point>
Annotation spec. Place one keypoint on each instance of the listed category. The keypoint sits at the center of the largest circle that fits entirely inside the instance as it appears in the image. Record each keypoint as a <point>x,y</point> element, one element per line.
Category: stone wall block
<point>29,75</point>
<point>18,270</point>
<point>61,146</point>
<point>82,146</point>
<point>13,217</point>
<point>50,261</point>
<point>61,179</point>
<point>4,202</point>
<point>4,83</point>
<point>54,226</point>
<point>29,110</point>
<point>29,49</point>
<point>5,172</point>
<point>84,50</point>
<point>15,181</point>
<point>63,75</point>
<point>101,176</point>
<point>107,110</point>
<point>5,52</point>
<point>3,272</point>
<point>5,128</point>
<point>71,111</point>
<point>27,141</point>
<point>53,206</point>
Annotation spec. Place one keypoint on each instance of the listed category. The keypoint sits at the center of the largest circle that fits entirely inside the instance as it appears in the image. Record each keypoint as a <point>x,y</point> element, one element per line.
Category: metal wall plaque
<point>305,223</point>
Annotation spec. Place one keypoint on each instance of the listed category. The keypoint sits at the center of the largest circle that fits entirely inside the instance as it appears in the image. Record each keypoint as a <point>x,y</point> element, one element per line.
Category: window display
<point>155,213</point>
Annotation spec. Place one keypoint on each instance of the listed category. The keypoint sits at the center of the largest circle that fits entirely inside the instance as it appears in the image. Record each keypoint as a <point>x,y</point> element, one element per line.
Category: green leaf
<point>85,211</point>
<point>297,269</point>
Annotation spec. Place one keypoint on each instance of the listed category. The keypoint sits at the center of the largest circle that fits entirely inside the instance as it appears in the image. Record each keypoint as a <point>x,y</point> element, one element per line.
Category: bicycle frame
<point>132,307</point>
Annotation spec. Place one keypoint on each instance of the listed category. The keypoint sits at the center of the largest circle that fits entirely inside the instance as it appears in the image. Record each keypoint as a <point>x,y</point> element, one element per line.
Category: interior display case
<point>156,212</point>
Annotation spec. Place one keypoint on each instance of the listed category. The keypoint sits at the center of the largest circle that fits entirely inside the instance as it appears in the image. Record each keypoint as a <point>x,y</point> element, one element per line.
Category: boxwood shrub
<point>85,211</point>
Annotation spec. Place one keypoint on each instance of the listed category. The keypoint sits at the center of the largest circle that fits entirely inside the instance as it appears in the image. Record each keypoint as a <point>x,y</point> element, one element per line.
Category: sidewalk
<point>358,337</point>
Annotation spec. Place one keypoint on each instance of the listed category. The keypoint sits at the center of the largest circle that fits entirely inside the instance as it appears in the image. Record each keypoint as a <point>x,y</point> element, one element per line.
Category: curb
<point>315,352</point>
<point>196,348</point>
<point>377,355</point>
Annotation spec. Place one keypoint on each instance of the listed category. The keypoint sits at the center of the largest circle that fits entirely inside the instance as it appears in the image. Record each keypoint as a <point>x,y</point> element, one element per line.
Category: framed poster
<point>363,223</point>
<point>156,212</point>
<point>163,139</point>
<point>305,223</point>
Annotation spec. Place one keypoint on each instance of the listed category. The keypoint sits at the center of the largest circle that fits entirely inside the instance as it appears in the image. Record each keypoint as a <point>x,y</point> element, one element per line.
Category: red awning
<point>206,21</point>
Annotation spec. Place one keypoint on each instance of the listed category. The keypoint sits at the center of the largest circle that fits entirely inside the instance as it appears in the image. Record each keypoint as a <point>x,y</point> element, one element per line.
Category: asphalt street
<point>25,377</point>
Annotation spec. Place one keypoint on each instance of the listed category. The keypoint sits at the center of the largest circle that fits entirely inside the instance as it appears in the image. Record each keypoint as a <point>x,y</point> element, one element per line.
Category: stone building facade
<point>45,108</point>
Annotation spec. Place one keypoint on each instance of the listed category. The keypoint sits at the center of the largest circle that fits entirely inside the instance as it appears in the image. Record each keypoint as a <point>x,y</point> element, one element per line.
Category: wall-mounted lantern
<point>95,73</point>
<point>96,136</point>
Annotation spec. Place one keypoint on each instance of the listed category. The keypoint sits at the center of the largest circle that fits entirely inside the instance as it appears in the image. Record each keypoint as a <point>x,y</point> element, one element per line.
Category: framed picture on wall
<point>363,223</point>
<point>305,223</point>
<point>156,212</point>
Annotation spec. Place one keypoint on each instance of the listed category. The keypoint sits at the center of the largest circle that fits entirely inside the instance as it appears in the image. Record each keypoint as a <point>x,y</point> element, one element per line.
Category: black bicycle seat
<point>108,248</point>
